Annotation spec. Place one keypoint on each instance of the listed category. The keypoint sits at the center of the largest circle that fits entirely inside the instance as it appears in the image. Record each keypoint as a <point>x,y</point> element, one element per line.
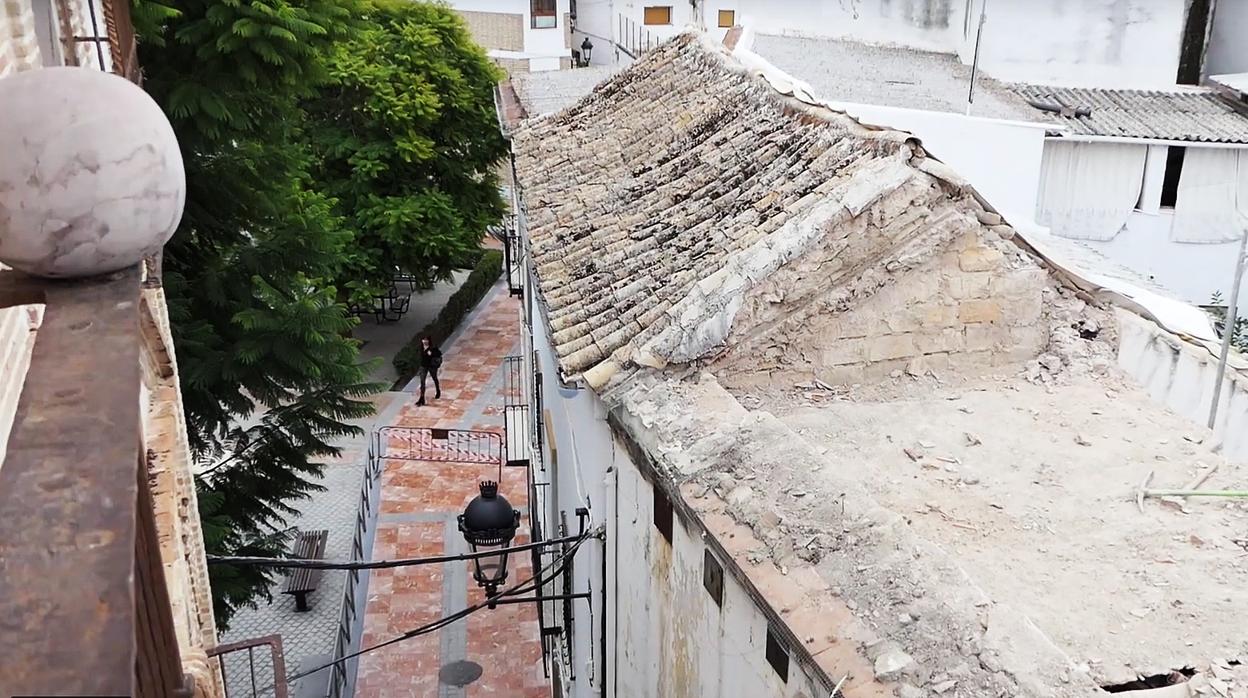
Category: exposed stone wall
<point>19,47</point>
<point>922,279</point>
<point>966,310</point>
<point>174,499</point>
<point>80,21</point>
<point>502,31</point>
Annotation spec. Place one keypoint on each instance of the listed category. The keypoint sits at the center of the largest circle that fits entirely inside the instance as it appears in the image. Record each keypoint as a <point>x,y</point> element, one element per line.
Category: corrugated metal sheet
<point>1191,114</point>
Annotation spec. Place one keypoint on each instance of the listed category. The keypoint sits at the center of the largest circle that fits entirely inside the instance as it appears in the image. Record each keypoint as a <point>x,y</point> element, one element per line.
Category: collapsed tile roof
<point>685,180</point>
<point>1180,114</point>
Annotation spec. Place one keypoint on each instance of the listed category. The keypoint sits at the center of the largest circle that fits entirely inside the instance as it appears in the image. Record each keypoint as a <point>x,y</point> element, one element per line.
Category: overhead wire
<point>519,588</point>
<point>308,564</point>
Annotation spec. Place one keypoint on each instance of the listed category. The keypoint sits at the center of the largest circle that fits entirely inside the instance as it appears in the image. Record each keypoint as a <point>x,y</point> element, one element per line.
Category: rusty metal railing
<point>344,638</point>
<point>123,45</point>
<point>242,681</point>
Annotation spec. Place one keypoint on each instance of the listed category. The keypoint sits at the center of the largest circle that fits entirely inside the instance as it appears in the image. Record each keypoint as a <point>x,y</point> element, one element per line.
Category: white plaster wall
<point>595,19</point>
<point>682,16</point>
<point>1001,159</point>
<point>930,25</point>
<point>1108,43</point>
<point>1111,43</point>
<point>542,47</point>
<point>672,639</point>
<point>1181,376</point>
<point>1228,49</point>
<point>710,15</point>
<point>1191,271</point>
<point>578,478</point>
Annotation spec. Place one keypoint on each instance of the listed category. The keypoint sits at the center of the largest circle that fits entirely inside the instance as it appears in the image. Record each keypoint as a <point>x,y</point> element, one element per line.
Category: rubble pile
<point>1082,339</point>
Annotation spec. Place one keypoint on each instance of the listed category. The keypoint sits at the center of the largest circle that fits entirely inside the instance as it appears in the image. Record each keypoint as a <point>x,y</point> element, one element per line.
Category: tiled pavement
<point>309,635</point>
<point>419,504</point>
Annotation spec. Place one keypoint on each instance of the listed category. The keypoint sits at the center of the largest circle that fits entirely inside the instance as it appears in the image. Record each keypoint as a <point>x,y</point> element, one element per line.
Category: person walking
<point>430,362</point>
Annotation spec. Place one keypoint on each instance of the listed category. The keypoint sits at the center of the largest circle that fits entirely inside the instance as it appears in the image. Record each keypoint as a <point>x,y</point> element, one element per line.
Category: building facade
<point>521,35</point>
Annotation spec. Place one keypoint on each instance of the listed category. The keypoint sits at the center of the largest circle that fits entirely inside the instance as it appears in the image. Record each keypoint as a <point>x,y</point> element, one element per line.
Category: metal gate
<point>441,445</point>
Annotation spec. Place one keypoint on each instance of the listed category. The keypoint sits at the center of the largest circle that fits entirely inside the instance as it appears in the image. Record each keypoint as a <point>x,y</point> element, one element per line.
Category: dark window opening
<point>777,655</point>
<point>544,13</point>
<point>713,577</point>
<point>663,513</point>
<point>1170,182</point>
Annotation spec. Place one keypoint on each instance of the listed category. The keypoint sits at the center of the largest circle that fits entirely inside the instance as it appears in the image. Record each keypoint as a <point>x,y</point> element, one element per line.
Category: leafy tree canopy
<point>325,143</point>
<point>406,139</point>
<point>249,272</point>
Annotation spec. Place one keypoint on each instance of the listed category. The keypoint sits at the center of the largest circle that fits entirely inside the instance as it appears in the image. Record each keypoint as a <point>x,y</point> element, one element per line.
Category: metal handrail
<point>350,613</point>
<point>633,39</point>
<point>274,687</point>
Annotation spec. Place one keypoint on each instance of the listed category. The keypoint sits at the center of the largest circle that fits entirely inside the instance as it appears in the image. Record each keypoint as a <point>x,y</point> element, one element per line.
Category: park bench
<point>309,545</point>
<point>397,307</point>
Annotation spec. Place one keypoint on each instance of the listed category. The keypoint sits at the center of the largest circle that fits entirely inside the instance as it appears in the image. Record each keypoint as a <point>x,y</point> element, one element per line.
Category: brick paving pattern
<point>309,634</point>
<point>420,501</point>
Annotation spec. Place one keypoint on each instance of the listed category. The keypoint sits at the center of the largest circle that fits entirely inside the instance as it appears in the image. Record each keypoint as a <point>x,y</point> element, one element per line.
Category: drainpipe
<point>970,94</point>
<point>1232,309</point>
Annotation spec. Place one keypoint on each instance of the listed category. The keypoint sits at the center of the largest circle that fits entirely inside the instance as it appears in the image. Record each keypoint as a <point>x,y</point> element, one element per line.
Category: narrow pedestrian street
<point>492,652</point>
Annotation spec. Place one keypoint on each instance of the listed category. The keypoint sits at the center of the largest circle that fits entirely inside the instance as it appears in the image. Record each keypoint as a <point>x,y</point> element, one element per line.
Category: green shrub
<point>457,307</point>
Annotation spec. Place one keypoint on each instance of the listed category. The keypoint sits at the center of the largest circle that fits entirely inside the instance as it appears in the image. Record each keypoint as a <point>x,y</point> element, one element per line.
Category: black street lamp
<point>587,48</point>
<point>489,523</point>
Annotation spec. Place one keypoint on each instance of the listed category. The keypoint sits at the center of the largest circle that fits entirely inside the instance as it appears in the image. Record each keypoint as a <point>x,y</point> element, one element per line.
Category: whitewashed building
<point>1119,107</point>
<point>521,35</point>
<point>1156,180</point>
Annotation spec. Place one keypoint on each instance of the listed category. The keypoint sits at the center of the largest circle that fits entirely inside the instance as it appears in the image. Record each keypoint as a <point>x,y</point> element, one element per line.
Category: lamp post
<point>587,49</point>
<point>489,523</point>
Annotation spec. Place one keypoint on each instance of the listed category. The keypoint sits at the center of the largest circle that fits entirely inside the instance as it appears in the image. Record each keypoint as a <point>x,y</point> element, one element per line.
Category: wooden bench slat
<point>310,545</point>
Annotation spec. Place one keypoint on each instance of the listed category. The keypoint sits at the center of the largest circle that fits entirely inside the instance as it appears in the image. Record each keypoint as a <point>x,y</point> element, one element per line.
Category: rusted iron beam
<point>68,494</point>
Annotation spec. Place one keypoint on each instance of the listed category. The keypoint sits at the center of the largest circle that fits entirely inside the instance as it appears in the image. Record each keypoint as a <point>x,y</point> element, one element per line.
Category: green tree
<point>325,143</point>
<point>249,272</point>
<point>406,140</point>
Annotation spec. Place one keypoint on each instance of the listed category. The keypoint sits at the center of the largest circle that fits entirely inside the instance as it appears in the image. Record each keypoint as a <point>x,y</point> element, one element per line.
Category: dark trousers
<point>429,372</point>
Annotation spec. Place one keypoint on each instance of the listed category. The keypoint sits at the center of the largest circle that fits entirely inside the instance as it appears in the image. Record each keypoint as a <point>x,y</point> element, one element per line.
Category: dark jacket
<point>431,357</point>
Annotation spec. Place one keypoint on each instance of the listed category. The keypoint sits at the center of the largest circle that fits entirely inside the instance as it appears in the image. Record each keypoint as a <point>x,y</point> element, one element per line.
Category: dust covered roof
<point>680,183</point>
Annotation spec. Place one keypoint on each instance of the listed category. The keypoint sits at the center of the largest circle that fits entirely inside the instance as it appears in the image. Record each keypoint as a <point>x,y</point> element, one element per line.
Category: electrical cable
<point>300,563</point>
<point>447,620</point>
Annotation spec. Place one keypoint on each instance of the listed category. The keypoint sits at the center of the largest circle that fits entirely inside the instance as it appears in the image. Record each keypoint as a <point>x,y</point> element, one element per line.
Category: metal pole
<point>1232,308</point>
<point>970,93</point>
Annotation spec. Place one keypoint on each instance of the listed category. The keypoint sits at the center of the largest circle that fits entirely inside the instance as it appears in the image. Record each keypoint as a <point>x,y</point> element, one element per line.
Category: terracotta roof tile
<point>679,168</point>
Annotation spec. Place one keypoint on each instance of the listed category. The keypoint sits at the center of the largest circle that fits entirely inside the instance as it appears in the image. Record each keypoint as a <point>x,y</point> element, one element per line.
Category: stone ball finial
<point>91,176</point>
